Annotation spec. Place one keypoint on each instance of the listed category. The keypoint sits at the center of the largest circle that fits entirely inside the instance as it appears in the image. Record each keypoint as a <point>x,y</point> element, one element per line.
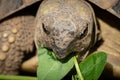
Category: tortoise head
<point>62,29</point>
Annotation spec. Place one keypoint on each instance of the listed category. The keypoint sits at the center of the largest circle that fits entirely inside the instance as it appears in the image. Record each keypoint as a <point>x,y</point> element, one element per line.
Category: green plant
<point>51,68</point>
<point>10,77</point>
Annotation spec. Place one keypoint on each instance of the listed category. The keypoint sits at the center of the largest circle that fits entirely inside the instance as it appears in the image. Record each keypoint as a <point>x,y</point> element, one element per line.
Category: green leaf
<point>93,66</point>
<point>50,68</point>
<point>11,77</point>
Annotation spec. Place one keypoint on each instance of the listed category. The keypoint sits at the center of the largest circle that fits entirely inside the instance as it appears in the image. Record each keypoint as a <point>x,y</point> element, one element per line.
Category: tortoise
<point>56,25</point>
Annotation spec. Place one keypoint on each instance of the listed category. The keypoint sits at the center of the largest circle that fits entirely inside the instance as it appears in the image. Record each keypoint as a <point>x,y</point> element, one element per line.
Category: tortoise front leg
<point>16,37</point>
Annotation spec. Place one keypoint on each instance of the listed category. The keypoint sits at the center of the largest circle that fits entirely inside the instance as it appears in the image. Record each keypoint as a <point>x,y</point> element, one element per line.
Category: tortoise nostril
<point>60,51</point>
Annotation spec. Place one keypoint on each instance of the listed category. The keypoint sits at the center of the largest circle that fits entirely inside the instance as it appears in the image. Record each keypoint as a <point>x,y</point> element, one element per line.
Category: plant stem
<point>78,69</point>
<point>10,77</point>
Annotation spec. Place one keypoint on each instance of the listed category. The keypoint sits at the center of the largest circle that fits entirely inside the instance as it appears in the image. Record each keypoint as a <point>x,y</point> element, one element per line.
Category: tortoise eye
<point>83,34</point>
<point>45,29</point>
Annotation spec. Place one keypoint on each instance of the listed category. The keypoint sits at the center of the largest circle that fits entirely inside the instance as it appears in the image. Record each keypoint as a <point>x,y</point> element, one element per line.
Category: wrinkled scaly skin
<point>16,37</point>
<point>65,26</point>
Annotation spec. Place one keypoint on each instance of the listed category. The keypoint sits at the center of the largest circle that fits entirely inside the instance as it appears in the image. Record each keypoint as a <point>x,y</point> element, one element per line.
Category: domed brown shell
<point>9,7</point>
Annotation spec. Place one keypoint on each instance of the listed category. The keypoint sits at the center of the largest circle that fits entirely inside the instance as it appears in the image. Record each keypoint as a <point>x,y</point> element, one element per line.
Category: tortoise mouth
<point>61,53</point>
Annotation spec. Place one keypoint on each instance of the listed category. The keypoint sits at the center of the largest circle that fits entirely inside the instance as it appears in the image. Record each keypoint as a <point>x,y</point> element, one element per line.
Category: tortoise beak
<point>60,53</point>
